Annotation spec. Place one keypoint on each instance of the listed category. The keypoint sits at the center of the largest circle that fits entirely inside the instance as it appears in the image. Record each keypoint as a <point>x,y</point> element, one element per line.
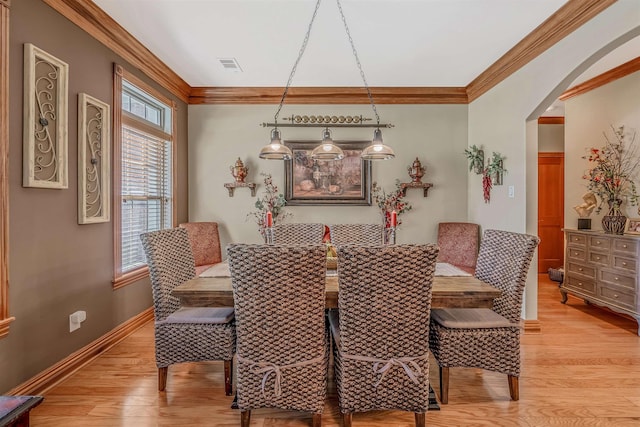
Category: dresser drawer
<point>626,246</point>
<point>626,264</point>
<point>584,285</point>
<point>616,297</point>
<point>599,258</point>
<point>615,278</point>
<point>576,239</point>
<point>600,243</point>
<point>582,269</point>
<point>576,253</point>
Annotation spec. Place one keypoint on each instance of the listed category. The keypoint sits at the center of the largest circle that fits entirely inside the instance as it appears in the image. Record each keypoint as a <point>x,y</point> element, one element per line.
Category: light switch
<point>512,191</point>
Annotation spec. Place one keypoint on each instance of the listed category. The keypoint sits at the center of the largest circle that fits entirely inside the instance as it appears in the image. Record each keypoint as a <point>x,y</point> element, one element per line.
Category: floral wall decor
<point>492,174</point>
<point>46,79</point>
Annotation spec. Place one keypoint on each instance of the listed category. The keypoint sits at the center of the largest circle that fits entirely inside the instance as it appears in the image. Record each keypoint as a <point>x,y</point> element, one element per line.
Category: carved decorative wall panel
<point>94,146</point>
<point>45,162</point>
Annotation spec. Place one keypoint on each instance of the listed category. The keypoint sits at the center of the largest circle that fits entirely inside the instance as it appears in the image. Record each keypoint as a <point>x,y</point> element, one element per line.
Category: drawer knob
<point>575,239</point>
<point>624,264</point>
<point>615,295</point>
<point>598,258</point>
<point>617,278</point>
<point>580,284</point>
<point>580,269</point>
<point>624,246</point>
<point>597,242</point>
<point>575,253</point>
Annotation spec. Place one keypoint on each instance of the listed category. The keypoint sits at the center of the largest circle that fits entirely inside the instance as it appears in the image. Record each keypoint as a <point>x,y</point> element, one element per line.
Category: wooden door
<point>550,210</point>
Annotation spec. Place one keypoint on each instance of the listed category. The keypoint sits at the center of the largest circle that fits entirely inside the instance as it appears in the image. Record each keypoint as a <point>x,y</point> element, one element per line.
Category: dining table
<point>452,288</point>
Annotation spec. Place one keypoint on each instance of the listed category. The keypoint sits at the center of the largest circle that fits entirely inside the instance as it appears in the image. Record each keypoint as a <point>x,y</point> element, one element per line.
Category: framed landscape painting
<point>322,182</point>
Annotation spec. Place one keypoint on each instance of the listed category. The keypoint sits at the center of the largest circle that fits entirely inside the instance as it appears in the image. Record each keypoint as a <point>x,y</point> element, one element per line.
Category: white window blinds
<point>146,191</point>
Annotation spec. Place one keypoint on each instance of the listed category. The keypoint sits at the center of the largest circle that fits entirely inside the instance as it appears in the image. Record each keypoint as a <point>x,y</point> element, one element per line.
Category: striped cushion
<point>469,318</point>
<point>209,315</point>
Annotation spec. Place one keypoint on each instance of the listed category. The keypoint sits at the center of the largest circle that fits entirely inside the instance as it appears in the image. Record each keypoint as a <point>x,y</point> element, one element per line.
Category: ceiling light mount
<point>327,150</point>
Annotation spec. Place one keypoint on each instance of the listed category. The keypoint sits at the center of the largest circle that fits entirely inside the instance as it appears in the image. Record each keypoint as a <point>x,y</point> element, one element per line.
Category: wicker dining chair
<point>356,234</point>
<point>481,337</point>
<point>380,330</point>
<point>298,234</point>
<point>184,334</point>
<point>282,348</point>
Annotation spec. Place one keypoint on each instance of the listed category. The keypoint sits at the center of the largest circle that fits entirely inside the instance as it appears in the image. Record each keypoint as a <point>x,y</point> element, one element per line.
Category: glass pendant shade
<point>377,150</point>
<point>275,150</point>
<point>327,150</point>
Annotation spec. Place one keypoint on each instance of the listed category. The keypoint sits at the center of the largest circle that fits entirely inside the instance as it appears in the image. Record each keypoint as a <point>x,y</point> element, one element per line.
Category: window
<point>5,319</point>
<point>143,170</point>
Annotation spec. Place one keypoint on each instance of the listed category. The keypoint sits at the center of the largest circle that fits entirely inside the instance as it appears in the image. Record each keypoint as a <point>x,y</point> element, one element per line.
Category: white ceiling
<point>399,42</point>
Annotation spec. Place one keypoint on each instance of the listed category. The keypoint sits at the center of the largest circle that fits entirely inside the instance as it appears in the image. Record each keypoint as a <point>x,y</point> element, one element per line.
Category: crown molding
<point>97,23</point>
<point>566,19</point>
<point>604,78</point>
<point>550,120</point>
<point>328,95</point>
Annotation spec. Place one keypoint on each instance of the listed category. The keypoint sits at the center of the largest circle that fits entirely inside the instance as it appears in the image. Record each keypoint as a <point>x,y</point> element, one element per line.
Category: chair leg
<point>420,419</point>
<point>162,378</point>
<point>317,420</point>
<point>228,377</point>
<point>444,385</point>
<point>245,418</point>
<point>514,389</point>
<point>346,419</point>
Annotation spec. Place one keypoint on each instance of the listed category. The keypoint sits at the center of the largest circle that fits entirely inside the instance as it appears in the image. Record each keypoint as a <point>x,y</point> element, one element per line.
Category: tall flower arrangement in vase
<point>389,202</point>
<point>613,169</point>
<point>271,201</point>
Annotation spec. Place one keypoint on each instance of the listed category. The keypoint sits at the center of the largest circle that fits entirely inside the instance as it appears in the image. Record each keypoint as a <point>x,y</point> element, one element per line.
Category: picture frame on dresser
<point>632,226</point>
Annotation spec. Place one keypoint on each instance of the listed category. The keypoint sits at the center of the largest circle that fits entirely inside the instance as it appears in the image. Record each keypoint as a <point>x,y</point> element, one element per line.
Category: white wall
<point>498,121</point>
<point>436,134</point>
<point>587,117</point>
<point>550,138</point>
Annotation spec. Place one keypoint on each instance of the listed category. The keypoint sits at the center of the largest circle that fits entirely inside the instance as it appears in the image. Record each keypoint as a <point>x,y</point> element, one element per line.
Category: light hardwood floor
<point>582,370</point>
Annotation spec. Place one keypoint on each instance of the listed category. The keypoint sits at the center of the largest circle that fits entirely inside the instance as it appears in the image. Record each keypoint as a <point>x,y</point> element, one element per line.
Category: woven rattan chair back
<point>356,234</point>
<point>503,262</point>
<point>171,263</point>
<point>279,299</point>
<point>298,234</point>
<point>384,309</point>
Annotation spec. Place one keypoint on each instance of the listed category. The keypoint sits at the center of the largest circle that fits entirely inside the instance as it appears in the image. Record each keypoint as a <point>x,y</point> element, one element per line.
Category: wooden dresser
<point>603,269</point>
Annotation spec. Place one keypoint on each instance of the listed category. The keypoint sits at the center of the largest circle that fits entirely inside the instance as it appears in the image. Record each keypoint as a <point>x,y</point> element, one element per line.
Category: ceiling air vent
<point>230,64</point>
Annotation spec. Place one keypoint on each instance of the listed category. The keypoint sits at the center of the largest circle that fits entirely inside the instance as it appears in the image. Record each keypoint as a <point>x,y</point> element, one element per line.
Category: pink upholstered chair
<point>459,243</point>
<point>205,244</point>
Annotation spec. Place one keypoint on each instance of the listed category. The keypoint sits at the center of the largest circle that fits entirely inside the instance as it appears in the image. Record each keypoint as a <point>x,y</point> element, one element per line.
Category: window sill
<point>4,326</point>
<point>130,277</point>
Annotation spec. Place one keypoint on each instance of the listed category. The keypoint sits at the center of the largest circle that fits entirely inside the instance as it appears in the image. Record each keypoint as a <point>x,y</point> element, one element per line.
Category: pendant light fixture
<point>327,150</point>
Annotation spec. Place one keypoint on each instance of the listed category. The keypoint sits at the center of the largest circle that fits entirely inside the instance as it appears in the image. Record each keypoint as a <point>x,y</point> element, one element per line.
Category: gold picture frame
<point>632,226</point>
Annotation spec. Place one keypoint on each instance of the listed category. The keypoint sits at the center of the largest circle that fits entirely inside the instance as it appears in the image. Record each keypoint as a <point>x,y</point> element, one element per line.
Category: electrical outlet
<point>512,192</point>
<point>75,320</point>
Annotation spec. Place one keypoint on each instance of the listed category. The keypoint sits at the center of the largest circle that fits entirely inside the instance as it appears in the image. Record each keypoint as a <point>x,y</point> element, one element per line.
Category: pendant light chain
<point>295,65</point>
<point>355,54</point>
